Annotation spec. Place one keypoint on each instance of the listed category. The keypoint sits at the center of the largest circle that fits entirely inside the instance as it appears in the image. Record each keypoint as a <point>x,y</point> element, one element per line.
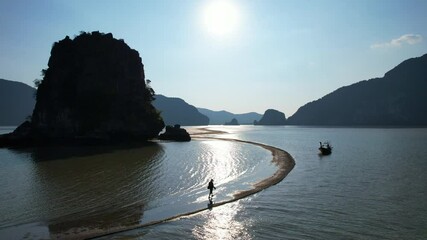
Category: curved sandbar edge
<point>283,160</point>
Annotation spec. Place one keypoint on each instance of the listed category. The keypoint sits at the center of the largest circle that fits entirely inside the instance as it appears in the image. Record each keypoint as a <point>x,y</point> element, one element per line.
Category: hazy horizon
<point>233,55</point>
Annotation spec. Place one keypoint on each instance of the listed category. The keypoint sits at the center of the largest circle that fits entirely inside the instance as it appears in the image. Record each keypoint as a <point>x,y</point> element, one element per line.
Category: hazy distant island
<point>177,111</point>
<point>16,102</point>
<point>232,122</point>
<point>220,117</point>
<point>272,117</point>
<point>94,89</point>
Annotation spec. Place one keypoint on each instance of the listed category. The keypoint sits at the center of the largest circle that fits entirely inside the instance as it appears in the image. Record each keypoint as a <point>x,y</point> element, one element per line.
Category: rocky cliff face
<point>272,117</point>
<point>94,87</point>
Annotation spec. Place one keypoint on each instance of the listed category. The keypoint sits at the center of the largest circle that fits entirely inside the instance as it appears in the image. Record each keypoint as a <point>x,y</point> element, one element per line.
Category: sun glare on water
<point>220,17</point>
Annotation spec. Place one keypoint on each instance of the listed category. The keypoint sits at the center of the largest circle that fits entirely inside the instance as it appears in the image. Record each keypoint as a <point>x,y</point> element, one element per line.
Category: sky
<point>235,55</point>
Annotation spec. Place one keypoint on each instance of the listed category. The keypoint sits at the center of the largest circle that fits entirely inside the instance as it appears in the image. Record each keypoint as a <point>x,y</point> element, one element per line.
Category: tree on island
<point>94,88</point>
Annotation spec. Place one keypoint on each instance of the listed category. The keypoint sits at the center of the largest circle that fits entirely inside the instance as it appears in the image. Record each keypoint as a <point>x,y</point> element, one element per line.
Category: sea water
<point>373,186</point>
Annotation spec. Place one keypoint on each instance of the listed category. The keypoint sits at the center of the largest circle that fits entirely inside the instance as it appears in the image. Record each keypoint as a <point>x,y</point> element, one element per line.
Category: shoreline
<point>282,159</point>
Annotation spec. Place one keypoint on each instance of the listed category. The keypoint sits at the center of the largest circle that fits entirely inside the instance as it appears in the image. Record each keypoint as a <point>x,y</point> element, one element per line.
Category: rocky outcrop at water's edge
<point>175,133</point>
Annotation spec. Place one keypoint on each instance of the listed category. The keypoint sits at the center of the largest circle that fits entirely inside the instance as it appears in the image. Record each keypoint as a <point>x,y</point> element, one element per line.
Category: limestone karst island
<point>94,89</point>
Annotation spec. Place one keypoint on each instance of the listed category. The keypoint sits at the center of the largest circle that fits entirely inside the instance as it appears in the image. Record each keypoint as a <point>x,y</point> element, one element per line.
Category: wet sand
<point>283,160</point>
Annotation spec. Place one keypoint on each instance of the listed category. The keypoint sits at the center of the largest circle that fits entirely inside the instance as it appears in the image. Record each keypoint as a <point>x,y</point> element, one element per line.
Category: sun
<point>221,17</point>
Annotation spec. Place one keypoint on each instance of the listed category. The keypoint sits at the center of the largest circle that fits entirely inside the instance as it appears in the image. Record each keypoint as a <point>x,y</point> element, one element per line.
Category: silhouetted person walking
<point>211,187</point>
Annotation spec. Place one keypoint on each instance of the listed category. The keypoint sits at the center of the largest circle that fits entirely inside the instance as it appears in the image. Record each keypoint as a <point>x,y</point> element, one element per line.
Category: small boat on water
<point>325,148</point>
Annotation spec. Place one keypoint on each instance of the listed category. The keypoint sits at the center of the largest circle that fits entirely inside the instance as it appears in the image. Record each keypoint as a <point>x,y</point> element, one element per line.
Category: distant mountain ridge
<point>221,117</point>
<point>177,111</point>
<point>16,102</point>
<point>397,99</point>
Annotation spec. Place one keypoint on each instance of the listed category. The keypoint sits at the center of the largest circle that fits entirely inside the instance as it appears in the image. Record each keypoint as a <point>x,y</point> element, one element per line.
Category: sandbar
<point>282,159</point>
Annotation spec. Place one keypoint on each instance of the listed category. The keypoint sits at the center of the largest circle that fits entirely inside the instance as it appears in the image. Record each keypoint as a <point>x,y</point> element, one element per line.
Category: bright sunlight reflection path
<point>222,224</point>
<point>223,167</point>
